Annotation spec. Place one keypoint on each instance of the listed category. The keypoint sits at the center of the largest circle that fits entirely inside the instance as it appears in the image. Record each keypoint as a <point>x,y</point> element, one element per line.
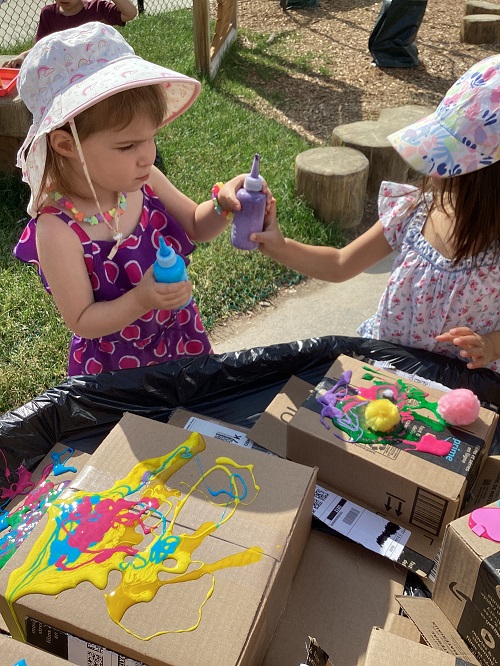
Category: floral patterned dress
<point>157,336</point>
<point>426,293</point>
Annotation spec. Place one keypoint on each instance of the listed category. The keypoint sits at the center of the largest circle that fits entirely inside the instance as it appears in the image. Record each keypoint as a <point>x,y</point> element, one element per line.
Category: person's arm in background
<point>16,61</point>
<point>127,9</point>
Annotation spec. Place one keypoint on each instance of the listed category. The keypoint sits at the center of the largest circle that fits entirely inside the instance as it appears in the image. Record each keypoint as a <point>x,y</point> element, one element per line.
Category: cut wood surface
<point>481,7</point>
<point>333,181</point>
<point>480,29</point>
<point>370,138</point>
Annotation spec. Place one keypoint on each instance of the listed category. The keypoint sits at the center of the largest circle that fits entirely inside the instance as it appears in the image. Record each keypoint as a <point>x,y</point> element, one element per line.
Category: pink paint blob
<point>485,522</point>
<point>430,444</point>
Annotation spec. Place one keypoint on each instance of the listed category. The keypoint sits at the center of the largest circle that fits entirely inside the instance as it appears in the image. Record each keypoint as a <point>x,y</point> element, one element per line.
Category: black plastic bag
<point>298,4</point>
<point>392,41</point>
<point>235,387</point>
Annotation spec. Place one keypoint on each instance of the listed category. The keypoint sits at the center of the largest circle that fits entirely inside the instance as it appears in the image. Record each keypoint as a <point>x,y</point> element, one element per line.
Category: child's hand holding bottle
<point>153,295</point>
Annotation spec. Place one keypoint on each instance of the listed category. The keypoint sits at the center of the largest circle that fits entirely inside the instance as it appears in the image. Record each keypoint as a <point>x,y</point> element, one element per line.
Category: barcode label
<point>361,525</point>
<point>428,511</point>
<point>351,516</point>
<point>433,571</point>
<point>84,653</point>
<point>217,431</point>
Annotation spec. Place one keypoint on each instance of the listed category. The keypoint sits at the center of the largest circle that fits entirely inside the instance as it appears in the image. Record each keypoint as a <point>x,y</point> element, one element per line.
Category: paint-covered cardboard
<point>13,652</point>
<point>339,592</point>
<point>467,585</point>
<point>416,488</point>
<point>385,649</point>
<point>339,511</point>
<point>239,599</point>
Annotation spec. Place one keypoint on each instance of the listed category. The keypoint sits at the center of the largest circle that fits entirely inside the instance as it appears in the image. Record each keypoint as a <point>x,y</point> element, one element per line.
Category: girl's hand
<point>227,195</point>
<point>479,348</point>
<point>271,241</point>
<point>155,295</point>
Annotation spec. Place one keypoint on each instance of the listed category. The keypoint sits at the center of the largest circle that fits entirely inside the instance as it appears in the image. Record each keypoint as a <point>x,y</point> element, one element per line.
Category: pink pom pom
<point>459,407</point>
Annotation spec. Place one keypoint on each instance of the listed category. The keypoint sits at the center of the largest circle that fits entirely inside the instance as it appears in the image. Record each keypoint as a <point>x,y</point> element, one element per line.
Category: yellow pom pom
<point>382,415</point>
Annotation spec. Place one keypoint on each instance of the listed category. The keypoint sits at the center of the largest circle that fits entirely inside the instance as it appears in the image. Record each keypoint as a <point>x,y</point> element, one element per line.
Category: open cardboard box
<point>239,566</point>
<point>417,488</point>
<point>467,586</point>
<point>14,652</point>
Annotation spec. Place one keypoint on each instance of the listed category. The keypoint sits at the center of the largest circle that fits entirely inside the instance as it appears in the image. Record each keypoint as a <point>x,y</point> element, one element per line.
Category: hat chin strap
<point>117,236</point>
<point>84,164</point>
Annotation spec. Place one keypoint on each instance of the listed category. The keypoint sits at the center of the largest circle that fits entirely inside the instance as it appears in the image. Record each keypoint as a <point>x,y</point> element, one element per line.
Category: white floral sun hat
<point>69,71</point>
<point>463,134</point>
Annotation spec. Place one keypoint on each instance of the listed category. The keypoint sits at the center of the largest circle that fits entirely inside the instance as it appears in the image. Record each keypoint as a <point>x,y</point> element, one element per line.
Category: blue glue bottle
<point>250,219</point>
<point>169,267</point>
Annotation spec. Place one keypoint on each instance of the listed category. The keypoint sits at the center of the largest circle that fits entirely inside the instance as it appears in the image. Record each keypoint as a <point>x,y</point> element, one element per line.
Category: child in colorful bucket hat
<point>100,207</point>
<point>443,293</point>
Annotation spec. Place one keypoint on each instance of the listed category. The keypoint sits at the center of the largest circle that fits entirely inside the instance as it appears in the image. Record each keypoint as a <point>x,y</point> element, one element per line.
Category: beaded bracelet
<point>217,206</point>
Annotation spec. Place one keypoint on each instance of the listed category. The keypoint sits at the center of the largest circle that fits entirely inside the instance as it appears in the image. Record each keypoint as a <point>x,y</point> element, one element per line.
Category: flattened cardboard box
<point>339,592</point>
<point>13,652</point>
<point>249,556</point>
<point>386,649</point>
<point>467,585</point>
<point>422,489</point>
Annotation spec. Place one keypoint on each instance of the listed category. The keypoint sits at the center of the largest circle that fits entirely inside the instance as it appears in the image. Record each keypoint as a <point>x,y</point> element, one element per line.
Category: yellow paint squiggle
<point>91,534</point>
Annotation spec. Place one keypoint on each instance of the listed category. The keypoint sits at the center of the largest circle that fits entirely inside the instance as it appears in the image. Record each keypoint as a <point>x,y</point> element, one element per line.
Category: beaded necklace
<point>108,217</point>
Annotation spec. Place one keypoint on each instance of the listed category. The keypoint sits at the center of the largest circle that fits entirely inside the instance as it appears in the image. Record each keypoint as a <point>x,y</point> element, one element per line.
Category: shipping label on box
<point>467,586</point>
<point>417,471</point>
<point>176,546</point>
<point>15,653</point>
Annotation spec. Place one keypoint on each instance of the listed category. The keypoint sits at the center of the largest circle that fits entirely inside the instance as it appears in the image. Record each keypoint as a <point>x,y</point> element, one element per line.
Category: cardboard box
<point>339,512</point>
<point>486,488</point>
<point>339,592</point>
<point>31,494</point>
<point>13,652</point>
<point>249,552</point>
<point>467,586</point>
<point>385,649</point>
<point>417,488</point>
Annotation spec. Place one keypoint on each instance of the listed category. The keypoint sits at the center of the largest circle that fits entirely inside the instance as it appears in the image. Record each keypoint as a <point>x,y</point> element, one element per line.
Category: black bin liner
<point>392,41</point>
<point>235,387</point>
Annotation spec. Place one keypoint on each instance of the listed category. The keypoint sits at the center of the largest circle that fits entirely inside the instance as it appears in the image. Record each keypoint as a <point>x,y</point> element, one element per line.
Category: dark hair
<point>475,201</point>
<point>116,112</point>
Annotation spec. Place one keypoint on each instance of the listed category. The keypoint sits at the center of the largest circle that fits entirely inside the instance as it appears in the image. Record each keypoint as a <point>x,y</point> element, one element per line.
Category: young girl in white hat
<point>99,206</point>
<point>443,293</point>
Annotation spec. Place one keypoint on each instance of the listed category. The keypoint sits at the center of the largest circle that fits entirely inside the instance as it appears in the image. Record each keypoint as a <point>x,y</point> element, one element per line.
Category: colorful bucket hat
<point>463,134</point>
<point>70,71</point>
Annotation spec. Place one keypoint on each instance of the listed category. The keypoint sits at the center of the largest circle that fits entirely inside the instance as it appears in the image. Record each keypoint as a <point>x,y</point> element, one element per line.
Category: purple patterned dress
<point>157,336</point>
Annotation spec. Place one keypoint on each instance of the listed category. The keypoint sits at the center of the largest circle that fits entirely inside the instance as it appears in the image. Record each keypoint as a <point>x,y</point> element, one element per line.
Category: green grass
<point>214,141</point>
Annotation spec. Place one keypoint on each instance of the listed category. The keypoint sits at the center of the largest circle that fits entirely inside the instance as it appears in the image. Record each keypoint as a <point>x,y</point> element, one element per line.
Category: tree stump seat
<point>480,29</point>
<point>481,7</point>
<point>332,181</point>
<point>370,138</point>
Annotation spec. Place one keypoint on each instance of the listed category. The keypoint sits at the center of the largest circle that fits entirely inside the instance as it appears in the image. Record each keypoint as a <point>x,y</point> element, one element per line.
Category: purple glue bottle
<point>250,219</point>
<point>169,266</point>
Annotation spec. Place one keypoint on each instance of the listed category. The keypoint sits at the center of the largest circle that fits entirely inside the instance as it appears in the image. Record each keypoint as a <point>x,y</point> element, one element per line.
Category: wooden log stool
<point>332,181</point>
<point>481,7</point>
<point>15,121</point>
<point>370,138</point>
<point>480,29</point>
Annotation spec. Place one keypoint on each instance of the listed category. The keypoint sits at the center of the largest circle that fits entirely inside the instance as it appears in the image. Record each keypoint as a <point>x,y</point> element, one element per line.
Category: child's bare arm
<point>61,258</point>
<point>323,262</point>
<point>201,222</point>
<point>127,9</point>
<point>481,349</point>
<point>16,61</point>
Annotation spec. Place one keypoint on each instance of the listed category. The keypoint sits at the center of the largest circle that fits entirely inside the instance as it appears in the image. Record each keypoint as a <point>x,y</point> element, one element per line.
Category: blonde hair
<point>114,112</point>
